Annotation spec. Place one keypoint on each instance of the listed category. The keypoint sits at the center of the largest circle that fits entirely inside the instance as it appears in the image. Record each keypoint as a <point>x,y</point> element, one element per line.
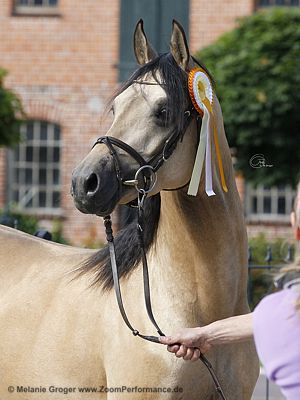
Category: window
<point>267,3</point>
<point>36,7</point>
<point>34,168</point>
<point>269,203</point>
<point>157,16</point>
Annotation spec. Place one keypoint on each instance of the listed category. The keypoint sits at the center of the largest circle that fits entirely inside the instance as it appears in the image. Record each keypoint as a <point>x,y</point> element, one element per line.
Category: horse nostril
<point>91,184</point>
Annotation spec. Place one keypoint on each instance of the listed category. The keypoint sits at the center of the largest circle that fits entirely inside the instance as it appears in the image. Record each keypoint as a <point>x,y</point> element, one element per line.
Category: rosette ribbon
<point>202,96</point>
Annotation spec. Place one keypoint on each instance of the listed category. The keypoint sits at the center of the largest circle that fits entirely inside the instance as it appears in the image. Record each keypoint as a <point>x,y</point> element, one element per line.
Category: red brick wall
<point>210,19</point>
<point>64,70</point>
<point>272,231</point>
<point>79,48</point>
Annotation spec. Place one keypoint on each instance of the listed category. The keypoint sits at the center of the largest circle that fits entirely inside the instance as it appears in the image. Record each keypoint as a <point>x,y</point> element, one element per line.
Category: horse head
<point>154,122</point>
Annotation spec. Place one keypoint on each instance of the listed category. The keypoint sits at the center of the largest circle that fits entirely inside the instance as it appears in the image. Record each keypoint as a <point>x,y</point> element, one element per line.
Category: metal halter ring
<point>164,149</point>
<point>153,179</point>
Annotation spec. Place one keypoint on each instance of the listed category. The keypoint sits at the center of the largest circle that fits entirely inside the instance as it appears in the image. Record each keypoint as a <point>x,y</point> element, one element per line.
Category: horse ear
<point>143,50</point>
<point>179,47</point>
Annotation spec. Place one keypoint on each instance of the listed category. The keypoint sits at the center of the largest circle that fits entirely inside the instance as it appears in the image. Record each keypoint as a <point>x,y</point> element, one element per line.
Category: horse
<point>61,330</point>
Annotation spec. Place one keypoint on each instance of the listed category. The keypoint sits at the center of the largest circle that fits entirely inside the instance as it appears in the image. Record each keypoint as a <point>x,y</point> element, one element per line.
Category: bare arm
<point>188,343</point>
<point>233,329</point>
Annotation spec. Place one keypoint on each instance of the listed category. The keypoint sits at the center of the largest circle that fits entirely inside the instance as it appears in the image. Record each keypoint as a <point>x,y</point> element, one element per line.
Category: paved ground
<point>260,390</point>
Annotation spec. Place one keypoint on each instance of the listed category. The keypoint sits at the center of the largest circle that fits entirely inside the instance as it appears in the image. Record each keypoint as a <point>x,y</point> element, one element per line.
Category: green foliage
<point>11,114</point>
<point>259,246</point>
<point>23,222</point>
<point>57,233</point>
<point>257,74</point>
<point>30,224</point>
<point>261,280</point>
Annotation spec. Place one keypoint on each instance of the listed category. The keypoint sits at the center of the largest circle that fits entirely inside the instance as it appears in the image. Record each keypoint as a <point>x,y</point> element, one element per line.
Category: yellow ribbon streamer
<point>206,102</point>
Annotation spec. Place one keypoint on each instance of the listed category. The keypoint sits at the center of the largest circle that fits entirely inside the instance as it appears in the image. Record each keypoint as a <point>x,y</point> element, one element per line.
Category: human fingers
<point>173,348</point>
<point>169,340</point>
<point>196,355</point>
<point>187,336</point>
<point>182,351</point>
<point>189,354</point>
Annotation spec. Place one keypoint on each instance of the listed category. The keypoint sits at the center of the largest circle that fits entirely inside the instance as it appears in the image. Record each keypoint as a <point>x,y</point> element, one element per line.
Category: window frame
<point>272,3</point>
<point>35,10</point>
<point>35,187</point>
<point>275,193</point>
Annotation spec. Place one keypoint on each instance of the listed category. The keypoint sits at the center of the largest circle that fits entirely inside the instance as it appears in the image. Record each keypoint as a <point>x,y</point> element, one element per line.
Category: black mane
<point>173,79</point>
<point>128,254</point>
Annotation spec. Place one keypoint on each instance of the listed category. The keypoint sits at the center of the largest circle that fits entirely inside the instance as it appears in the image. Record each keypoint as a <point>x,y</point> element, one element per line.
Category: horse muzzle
<point>95,187</point>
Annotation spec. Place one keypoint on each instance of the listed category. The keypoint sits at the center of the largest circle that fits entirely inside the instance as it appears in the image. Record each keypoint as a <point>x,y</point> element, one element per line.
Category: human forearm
<point>229,330</point>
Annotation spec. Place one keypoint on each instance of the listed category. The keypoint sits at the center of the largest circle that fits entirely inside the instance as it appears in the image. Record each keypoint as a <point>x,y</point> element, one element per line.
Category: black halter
<point>148,168</point>
<point>148,171</point>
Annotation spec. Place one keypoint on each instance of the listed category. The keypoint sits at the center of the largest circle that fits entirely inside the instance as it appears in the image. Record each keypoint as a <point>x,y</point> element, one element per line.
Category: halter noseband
<point>148,168</point>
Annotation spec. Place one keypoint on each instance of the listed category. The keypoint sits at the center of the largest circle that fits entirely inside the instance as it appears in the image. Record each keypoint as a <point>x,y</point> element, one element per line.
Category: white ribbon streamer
<point>208,163</point>
<point>198,165</point>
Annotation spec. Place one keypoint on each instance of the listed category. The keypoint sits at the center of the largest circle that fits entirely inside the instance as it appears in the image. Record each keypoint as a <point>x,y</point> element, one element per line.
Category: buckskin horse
<point>60,327</point>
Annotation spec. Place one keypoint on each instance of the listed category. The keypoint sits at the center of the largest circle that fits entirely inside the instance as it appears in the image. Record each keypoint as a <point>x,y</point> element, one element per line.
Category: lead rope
<point>147,296</point>
<point>112,253</point>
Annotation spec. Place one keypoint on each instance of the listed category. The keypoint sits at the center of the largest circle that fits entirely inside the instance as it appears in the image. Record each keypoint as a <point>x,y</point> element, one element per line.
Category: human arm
<point>188,343</point>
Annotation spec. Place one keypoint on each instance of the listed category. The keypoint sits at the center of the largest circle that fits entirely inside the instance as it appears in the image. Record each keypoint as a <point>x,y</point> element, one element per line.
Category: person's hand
<point>190,343</point>
<point>187,343</point>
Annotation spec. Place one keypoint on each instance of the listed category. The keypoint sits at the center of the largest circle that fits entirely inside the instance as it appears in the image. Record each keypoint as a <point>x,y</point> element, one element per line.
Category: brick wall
<point>64,69</point>
<point>272,231</point>
<point>210,19</point>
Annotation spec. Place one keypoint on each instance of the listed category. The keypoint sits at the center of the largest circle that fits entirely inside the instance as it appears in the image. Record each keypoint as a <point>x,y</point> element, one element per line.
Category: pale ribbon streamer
<point>199,160</point>
<point>208,163</point>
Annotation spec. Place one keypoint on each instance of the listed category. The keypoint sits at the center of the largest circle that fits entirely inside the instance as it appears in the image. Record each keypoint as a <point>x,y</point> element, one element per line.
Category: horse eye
<point>162,113</point>
<point>162,116</point>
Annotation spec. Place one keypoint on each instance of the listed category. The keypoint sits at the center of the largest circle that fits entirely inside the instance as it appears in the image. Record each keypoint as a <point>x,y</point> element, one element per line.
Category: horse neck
<point>203,239</point>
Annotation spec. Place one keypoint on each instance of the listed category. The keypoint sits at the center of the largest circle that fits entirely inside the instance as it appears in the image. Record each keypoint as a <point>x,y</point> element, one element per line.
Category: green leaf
<point>11,114</point>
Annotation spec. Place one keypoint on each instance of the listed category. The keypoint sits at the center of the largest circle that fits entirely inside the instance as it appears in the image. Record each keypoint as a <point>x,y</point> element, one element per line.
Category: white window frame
<point>273,3</point>
<point>274,193</point>
<point>29,192</point>
<point>32,9</point>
